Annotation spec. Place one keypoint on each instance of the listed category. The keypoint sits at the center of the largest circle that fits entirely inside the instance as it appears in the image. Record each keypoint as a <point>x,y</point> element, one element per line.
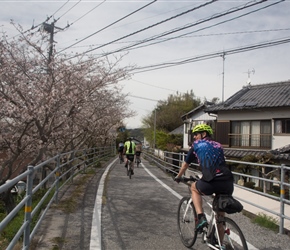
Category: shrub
<point>276,189</point>
<point>250,184</point>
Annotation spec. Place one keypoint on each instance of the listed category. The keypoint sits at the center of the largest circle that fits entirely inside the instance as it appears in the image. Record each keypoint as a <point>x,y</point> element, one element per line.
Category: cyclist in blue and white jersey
<point>216,176</point>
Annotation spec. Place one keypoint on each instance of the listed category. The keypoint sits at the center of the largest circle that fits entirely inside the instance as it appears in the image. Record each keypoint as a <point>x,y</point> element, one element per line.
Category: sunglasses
<point>195,133</point>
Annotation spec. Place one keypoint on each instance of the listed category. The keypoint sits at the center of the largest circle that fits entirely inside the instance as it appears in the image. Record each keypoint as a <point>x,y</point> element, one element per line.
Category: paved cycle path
<point>141,213</point>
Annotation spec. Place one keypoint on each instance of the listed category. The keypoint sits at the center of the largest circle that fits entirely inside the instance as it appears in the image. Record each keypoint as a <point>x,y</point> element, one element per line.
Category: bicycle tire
<point>186,222</point>
<point>129,170</point>
<point>233,238</point>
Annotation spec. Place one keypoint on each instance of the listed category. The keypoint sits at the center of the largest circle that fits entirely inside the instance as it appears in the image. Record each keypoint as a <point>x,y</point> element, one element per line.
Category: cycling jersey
<point>130,147</point>
<point>210,157</point>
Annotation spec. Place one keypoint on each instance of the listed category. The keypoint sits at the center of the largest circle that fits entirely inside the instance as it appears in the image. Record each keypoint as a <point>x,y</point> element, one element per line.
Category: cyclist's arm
<point>182,170</point>
<point>189,158</point>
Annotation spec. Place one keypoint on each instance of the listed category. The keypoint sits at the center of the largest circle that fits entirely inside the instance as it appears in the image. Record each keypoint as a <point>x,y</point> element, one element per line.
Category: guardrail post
<point>282,196</point>
<point>57,174</point>
<point>28,208</point>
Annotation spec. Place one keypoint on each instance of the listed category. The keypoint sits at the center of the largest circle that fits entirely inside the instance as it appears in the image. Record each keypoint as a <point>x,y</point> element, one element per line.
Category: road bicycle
<point>138,160</point>
<point>121,158</point>
<point>187,222</point>
<point>129,167</point>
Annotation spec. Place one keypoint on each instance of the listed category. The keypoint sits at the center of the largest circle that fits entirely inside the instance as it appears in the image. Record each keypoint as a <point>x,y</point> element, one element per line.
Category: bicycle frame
<point>212,223</point>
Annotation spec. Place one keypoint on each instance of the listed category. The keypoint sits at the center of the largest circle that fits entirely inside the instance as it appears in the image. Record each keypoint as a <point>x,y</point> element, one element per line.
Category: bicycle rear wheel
<point>186,222</point>
<point>129,170</point>
<point>233,237</point>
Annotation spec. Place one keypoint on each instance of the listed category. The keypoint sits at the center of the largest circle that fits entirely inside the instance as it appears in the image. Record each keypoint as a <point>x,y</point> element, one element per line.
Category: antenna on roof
<point>249,73</point>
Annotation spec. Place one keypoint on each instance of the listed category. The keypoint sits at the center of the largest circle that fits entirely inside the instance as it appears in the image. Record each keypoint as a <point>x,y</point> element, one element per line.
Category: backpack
<point>226,203</point>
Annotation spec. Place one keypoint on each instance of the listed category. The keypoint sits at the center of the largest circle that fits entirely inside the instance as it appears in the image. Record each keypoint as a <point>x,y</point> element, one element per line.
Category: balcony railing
<point>251,140</point>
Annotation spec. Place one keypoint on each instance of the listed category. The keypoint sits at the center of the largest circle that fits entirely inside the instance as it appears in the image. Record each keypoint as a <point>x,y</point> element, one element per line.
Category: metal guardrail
<point>63,169</point>
<point>170,162</point>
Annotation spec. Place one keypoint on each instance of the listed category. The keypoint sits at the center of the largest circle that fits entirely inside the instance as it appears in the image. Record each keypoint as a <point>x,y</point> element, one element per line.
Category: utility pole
<point>49,28</point>
<point>154,141</point>
<point>223,78</point>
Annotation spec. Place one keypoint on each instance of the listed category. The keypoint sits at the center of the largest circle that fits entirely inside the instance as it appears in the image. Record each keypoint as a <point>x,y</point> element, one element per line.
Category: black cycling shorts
<point>215,186</point>
<point>130,157</point>
<point>138,153</point>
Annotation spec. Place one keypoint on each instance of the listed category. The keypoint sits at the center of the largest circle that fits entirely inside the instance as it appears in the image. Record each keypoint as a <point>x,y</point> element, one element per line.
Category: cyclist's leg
<point>197,201</point>
<point>196,198</point>
<point>132,162</point>
<point>126,161</point>
<point>131,157</point>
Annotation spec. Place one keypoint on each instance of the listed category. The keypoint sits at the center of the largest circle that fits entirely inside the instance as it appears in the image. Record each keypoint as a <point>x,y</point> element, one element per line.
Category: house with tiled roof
<point>255,120</point>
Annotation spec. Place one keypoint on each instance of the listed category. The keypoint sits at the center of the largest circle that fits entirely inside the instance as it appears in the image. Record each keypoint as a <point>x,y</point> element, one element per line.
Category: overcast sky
<point>175,31</point>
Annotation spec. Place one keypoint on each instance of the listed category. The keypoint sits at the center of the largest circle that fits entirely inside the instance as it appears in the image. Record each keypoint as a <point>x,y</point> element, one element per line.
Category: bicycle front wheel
<point>233,236</point>
<point>186,222</point>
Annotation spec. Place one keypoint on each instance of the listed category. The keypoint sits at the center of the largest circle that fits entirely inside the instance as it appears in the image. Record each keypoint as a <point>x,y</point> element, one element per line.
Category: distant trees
<point>55,105</point>
<point>168,117</point>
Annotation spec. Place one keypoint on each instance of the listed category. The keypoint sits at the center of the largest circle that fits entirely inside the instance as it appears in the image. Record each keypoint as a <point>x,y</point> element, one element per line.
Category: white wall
<point>279,141</point>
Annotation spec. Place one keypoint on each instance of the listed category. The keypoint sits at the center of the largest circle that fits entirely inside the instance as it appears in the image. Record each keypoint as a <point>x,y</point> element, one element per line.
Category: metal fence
<point>59,170</point>
<point>171,162</point>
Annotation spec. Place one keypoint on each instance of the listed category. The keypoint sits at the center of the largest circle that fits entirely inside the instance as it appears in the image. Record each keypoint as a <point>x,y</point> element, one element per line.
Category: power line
<point>219,23</point>
<point>148,27</point>
<point>211,55</point>
<point>250,4</point>
<point>69,9</point>
<point>87,13</point>
<point>108,26</point>
<point>60,8</point>
<point>154,85</point>
<point>203,35</point>
<point>144,98</point>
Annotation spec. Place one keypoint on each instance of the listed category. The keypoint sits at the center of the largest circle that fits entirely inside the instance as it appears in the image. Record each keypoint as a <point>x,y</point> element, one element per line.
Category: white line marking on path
<point>96,235</point>
<point>162,183</point>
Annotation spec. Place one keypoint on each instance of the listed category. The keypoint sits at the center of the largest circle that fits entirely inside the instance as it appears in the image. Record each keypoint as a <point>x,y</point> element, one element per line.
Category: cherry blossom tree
<point>51,105</point>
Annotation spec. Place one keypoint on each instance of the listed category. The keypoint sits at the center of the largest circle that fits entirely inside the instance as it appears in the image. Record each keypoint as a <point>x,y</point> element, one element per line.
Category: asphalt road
<point>138,214</point>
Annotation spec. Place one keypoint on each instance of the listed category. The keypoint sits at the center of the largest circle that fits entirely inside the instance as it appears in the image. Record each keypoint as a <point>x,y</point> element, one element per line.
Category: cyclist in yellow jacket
<point>129,151</point>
